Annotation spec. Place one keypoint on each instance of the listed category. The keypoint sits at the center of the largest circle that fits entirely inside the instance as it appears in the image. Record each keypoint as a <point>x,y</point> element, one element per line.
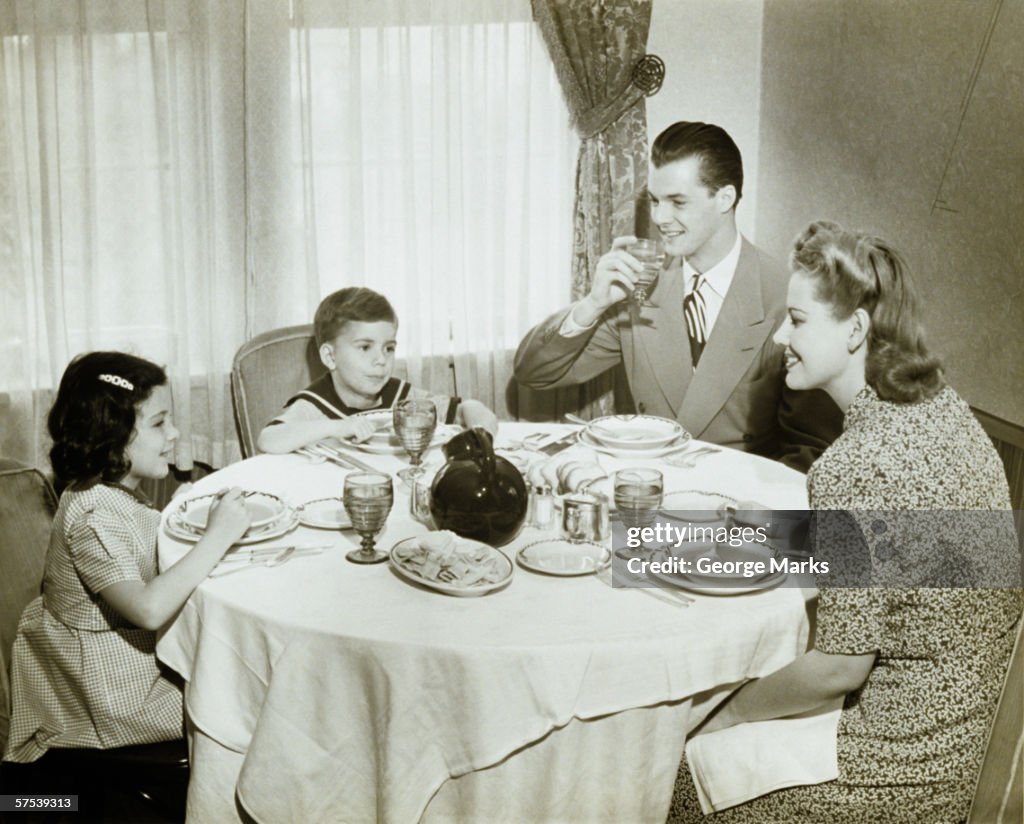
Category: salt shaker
<point>542,506</point>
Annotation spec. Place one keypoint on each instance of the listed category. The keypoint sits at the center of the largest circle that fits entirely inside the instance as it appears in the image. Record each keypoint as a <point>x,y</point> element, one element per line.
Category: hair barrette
<point>117,380</point>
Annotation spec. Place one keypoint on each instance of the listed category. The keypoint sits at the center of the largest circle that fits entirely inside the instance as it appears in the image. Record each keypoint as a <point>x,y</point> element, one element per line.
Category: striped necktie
<point>696,320</point>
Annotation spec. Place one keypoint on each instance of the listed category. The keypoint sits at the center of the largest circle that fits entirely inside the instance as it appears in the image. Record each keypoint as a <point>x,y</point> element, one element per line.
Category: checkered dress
<point>81,675</point>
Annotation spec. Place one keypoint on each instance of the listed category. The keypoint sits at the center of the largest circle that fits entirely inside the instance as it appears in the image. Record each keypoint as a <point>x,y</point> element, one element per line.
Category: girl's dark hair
<point>854,271</point>
<point>92,418</point>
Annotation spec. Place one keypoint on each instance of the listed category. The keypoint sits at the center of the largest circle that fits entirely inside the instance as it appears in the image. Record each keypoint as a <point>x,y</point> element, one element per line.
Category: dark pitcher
<point>478,494</point>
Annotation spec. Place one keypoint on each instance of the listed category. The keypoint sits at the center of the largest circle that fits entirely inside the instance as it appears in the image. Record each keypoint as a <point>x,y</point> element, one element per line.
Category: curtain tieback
<point>645,80</point>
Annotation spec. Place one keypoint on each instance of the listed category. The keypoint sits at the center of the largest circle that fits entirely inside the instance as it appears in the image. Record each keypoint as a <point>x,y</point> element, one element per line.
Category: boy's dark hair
<point>92,419</point>
<point>720,161</point>
<point>353,303</point>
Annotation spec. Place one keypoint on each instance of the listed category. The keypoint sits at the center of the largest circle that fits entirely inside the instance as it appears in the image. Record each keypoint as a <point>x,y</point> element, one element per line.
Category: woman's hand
<point>356,429</point>
<point>229,518</point>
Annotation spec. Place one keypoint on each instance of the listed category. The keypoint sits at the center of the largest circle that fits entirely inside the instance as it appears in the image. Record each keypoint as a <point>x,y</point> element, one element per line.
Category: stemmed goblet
<point>415,421</point>
<point>638,496</point>
<point>651,254</point>
<point>368,497</point>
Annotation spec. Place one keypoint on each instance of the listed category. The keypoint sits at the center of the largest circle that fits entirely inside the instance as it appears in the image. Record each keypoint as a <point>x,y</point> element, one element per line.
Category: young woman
<point>83,671</point>
<point>919,653</point>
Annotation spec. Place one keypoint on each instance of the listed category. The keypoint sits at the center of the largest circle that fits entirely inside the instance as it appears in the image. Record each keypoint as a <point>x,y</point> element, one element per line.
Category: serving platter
<point>451,565</point>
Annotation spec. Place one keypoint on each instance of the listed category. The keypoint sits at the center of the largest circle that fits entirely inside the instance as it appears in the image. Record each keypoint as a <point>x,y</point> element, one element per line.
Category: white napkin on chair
<point>739,763</point>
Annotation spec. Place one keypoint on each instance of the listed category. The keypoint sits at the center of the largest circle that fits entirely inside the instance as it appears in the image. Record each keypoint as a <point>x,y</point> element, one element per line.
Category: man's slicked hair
<point>720,161</point>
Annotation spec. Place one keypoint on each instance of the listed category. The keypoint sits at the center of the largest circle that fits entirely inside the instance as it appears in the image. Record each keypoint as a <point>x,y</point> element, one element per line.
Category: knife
<point>557,445</point>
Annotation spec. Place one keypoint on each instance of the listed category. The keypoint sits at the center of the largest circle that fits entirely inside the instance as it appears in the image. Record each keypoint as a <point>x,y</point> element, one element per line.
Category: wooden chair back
<point>1000,789</point>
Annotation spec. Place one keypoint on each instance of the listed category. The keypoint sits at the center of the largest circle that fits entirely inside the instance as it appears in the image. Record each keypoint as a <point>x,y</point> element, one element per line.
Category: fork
<point>688,460</point>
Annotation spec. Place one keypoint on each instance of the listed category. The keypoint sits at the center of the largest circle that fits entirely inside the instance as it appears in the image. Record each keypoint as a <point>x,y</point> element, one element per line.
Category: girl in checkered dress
<point>83,670</point>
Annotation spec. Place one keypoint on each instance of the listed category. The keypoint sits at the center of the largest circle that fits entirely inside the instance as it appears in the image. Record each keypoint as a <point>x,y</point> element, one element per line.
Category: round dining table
<point>322,690</point>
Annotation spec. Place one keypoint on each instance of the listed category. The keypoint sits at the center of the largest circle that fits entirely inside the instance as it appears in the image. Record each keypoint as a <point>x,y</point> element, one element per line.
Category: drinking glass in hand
<point>415,422</point>
<point>368,497</point>
<point>651,254</point>
<point>638,494</point>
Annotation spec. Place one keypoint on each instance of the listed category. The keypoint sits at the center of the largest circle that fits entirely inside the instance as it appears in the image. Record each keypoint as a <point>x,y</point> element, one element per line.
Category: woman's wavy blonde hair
<point>854,271</point>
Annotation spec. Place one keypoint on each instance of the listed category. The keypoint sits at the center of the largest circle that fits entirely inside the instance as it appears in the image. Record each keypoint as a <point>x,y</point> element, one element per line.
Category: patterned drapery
<point>595,46</point>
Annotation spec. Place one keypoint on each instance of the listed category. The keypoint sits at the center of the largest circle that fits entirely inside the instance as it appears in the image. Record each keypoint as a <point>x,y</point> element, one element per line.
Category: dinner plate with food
<point>447,563</point>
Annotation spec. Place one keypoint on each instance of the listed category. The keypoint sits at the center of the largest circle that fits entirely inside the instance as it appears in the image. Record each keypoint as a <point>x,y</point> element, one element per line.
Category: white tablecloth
<point>342,693</point>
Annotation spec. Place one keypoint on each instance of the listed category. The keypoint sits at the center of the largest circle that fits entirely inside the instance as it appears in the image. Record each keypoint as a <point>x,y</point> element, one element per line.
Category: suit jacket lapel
<point>735,341</point>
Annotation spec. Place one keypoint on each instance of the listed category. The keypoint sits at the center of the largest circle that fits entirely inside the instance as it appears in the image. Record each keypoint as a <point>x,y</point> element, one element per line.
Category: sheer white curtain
<point>177,176</point>
<point>119,181</point>
<point>430,159</point>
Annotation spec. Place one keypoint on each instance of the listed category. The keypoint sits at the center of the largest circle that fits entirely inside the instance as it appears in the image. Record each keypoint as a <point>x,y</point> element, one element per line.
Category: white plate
<point>405,554</point>
<point>177,528</point>
<point>632,432</point>
<point>696,506</point>
<point>704,584</point>
<point>378,417</point>
<point>558,556</point>
<point>386,441</point>
<point>677,445</point>
<point>324,513</point>
<point>264,508</point>
<point>694,552</point>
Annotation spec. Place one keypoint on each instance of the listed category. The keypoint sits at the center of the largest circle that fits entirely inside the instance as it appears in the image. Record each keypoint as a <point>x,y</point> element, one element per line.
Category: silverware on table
<point>340,454</point>
<point>277,560</point>
<point>688,460</point>
<point>321,457</point>
<point>557,445</point>
<point>280,556</point>
<point>263,552</point>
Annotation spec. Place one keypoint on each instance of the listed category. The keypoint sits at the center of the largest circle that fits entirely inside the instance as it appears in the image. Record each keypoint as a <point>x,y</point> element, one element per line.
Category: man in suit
<point>702,352</point>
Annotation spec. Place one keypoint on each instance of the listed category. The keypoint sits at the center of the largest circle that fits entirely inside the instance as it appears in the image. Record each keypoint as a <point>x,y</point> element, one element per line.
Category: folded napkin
<point>739,763</point>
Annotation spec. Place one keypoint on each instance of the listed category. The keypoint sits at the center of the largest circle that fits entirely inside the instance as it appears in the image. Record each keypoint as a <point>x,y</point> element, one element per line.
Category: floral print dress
<point>912,738</point>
